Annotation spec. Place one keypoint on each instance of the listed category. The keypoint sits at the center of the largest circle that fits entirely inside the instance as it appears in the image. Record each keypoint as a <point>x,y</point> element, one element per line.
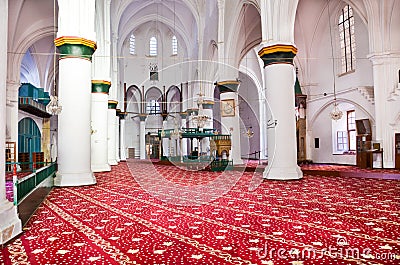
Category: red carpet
<point>192,217</point>
<point>350,171</point>
<point>348,168</point>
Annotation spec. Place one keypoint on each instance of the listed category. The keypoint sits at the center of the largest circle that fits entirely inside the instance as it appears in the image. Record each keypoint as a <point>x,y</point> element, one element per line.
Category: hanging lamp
<point>336,113</point>
<point>53,106</point>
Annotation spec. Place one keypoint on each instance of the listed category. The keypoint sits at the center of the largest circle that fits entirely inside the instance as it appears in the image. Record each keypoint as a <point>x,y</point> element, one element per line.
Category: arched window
<point>174,45</point>
<point>153,107</point>
<point>132,44</point>
<point>347,40</point>
<point>153,46</point>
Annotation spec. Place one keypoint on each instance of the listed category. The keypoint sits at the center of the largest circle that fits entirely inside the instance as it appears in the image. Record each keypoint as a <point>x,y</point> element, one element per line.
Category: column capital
<point>208,104</point>
<point>142,117</point>
<point>183,115</point>
<point>301,99</point>
<point>228,86</point>
<point>382,57</point>
<point>101,86</point>
<point>278,54</point>
<point>112,104</point>
<point>75,47</point>
<point>164,116</point>
<point>194,111</point>
<point>122,115</point>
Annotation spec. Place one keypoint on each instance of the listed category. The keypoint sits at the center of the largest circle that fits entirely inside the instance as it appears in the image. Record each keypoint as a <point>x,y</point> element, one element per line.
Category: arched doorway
<point>29,142</point>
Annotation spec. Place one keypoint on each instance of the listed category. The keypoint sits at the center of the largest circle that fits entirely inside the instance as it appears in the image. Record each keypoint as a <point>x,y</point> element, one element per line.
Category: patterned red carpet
<point>348,168</point>
<point>164,215</point>
<point>350,171</point>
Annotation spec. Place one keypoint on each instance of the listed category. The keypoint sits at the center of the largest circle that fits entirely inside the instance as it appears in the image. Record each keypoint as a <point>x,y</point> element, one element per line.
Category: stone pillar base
<point>237,161</point>
<point>283,173</point>
<point>74,179</point>
<point>101,168</point>
<point>113,162</point>
<point>10,224</point>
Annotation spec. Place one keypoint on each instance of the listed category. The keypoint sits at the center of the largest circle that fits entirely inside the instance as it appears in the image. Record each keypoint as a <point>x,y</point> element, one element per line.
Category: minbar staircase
<point>395,95</point>
<point>368,93</point>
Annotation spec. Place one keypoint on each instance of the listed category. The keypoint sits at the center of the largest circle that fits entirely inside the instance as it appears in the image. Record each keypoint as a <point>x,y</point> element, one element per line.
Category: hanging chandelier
<point>200,119</point>
<point>249,133</point>
<point>336,113</point>
<point>53,108</point>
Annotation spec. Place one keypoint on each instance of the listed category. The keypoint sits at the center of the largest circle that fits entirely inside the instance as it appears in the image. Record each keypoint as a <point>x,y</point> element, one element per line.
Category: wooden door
<point>397,150</point>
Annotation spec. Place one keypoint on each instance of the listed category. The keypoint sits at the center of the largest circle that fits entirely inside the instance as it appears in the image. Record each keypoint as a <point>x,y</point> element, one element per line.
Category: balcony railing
<point>31,106</point>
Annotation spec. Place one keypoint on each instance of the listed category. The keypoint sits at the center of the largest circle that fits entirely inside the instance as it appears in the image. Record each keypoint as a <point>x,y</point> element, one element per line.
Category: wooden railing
<point>255,155</point>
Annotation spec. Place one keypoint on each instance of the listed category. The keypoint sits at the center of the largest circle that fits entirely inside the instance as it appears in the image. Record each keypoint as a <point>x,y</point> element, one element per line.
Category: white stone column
<point>74,132</point>
<point>208,111</point>
<point>117,143</point>
<point>74,151</point>
<point>10,224</point>
<point>184,141</point>
<point>74,165</point>
<point>192,124</point>
<point>111,113</point>
<point>385,69</point>
<point>142,136</point>
<point>99,149</point>
<point>279,82</point>
<point>101,73</point>
<point>12,113</point>
<point>122,148</point>
<point>263,129</point>
<point>230,117</point>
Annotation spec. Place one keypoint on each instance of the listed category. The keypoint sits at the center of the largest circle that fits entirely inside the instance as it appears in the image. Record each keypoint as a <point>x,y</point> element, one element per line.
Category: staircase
<point>395,95</point>
<point>368,93</point>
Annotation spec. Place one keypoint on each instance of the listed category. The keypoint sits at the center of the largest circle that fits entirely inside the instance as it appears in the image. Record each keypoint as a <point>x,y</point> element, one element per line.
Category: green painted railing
<point>187,133</point>
<point>221,165</point>
<point>202,162</point>
<point>24,186</point>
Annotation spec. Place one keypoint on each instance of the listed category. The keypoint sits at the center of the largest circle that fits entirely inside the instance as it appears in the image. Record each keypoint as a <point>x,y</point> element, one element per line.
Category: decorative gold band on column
<point>112,104</point>
<point>208,104</point>
<point>142,117</point>
<point>123,115</point>
<point>278,54</point>
<point>194,111</point>
<point>75,47</point>
<point>228,86</point>
<point>101,86</point>
<point>183,115</point>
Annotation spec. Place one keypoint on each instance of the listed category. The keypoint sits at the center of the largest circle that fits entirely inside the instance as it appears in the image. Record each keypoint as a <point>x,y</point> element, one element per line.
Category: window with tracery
<point>153,107</point>
<point>174,45</point>
<point>132,45</point>
<point>153,46</point>
<point>347,39</point>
